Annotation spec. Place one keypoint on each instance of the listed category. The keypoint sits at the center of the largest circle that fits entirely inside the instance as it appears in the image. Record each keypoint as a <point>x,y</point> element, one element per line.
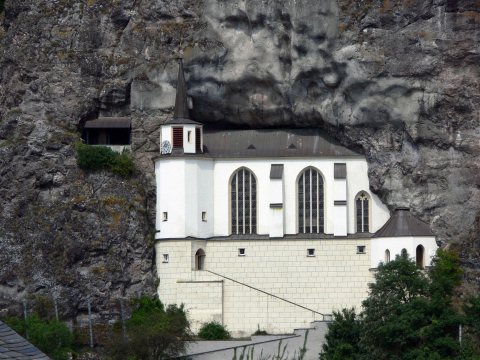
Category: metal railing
<point>267,293</point>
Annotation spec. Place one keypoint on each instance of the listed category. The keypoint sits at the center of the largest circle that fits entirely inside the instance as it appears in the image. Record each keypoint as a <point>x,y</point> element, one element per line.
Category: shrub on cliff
<point>95,158</point>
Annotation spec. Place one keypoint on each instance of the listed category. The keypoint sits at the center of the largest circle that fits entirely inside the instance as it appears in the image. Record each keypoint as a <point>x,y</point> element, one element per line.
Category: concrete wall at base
<point>334,278</point>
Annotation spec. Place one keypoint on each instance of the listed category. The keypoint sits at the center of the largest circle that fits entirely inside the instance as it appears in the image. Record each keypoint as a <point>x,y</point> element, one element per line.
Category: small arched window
<point>310,202</point>
<point>243,193</point>
<point>404,252</point>
<point>387,256</point>
<point>419,256</point>
<point>200,260</point>
<point>362,212</point>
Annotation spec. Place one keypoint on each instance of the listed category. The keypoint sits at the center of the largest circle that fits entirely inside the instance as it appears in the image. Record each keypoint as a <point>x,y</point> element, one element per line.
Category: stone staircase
<point>264,345</point>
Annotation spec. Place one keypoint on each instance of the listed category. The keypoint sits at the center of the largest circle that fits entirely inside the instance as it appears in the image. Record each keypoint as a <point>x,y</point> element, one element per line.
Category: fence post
<point>122,315</point>
<point>90,327</point>
<point>460,333</point>
<point>55,305</point>
<point>25,311</point>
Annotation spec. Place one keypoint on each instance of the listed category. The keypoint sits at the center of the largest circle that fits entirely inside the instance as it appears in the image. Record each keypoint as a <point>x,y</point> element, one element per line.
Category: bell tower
<point>181,135</point>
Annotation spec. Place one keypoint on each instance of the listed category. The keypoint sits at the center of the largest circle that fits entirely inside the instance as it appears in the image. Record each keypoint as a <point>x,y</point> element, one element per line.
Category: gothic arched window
<point>310,202</point>
<point>243,201</point>
<point>362,212</point>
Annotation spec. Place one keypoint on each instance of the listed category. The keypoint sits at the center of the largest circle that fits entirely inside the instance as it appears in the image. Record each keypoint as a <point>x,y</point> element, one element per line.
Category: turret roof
<point>403,223</point>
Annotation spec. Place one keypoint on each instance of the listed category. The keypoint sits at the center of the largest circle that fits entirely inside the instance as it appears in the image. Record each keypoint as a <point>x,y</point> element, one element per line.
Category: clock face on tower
<point>166,147</point>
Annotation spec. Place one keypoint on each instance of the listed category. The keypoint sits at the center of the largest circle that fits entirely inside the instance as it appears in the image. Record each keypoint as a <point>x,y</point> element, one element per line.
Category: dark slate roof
<point>276,171</point>
<point>272,143</point>
<point>13,346</point>
<point>109,123</point>
<point>404,223</point>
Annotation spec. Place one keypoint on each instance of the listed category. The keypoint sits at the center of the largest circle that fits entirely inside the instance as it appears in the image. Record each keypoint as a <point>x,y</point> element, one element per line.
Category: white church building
<point>269,229</point>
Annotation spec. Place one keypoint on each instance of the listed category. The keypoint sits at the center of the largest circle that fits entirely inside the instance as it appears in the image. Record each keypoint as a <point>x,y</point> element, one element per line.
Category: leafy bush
<point>94,158</point>
<point>213,331</point>
<point>153,332</point>
<point>52,337</point>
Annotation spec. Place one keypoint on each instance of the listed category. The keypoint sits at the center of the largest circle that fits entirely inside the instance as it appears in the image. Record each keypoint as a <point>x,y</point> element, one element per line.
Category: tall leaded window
<point>362,207</point>
<point>243,191</point>
<point>310,202</point>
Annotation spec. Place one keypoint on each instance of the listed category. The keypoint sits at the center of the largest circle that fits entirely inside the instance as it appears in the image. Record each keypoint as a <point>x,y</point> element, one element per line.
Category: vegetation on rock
<point>95,158</point>
<point>408,314</point>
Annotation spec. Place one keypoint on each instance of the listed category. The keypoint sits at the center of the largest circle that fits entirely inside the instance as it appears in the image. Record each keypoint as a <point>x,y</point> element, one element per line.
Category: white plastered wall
<point>334,278</point>
<point>184,191</point>
<point>189,139</point>
<point>396,244</point>
<point>171,198</point>
<point>357,180</point>
<point>276,211</point>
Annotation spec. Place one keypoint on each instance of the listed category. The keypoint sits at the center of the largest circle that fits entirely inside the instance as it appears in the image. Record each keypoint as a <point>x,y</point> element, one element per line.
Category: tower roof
<point>181,114</point>
<point>403,223</point>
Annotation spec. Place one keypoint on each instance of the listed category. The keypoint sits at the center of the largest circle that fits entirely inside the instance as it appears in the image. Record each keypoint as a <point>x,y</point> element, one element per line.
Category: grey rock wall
<point>397,80</point>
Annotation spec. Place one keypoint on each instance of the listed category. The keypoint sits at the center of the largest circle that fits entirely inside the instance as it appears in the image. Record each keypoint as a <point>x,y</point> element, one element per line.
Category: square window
<point>204,216</point>
<point>165,258</point>
<point>241,252</point>
<point>310,252</point>
<point>165,216</point>
<point>361,249</point>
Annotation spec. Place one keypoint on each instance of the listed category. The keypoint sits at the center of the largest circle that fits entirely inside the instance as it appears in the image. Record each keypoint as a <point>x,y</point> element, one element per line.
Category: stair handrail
<point>265,292</point>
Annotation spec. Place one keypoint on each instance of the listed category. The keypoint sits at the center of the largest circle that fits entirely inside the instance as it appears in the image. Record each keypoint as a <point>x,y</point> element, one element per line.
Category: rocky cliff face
<point>397,80</point>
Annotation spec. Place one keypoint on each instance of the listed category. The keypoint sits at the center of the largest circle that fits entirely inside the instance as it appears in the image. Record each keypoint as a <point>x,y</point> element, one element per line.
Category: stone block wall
<point>335,277</point>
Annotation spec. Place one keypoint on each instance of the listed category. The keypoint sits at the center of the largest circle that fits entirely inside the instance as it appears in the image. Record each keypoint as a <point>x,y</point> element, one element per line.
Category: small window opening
<point>404,253</point>
<point>361,249</point>
<point>419,256</point>
<point>204,216</point>
<point>165,258</point>
<point>387,256</point>
<point>189,136</point>
<point>241,252</point>
<point>165,216</point>
<point>200,260</point>
<point>310,252</point>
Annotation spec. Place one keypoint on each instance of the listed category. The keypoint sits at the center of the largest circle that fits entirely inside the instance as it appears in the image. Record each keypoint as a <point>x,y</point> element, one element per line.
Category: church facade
<point>269,229</point>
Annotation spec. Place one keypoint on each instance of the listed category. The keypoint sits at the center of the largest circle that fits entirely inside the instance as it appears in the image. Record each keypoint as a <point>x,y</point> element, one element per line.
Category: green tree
<point>153,332</point>
<point>343,336</point>
<point>408,314</point>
